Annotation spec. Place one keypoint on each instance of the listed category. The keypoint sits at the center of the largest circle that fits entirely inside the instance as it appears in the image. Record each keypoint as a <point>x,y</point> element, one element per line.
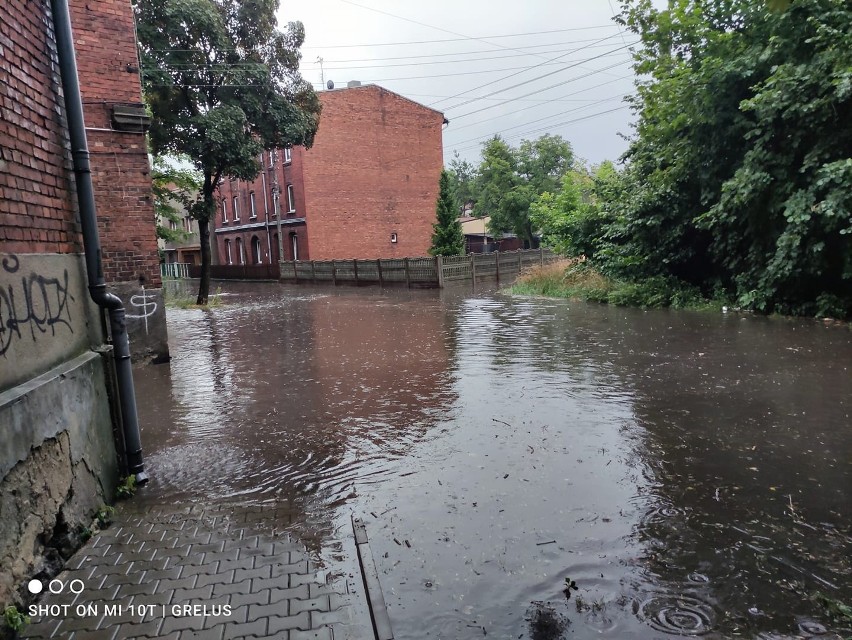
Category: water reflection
<point>692,473</point>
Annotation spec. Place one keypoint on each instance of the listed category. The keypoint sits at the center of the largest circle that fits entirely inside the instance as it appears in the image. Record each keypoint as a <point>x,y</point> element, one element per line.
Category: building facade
<point>366,189</point>
<point>108,66</point>
<point>58,460</point>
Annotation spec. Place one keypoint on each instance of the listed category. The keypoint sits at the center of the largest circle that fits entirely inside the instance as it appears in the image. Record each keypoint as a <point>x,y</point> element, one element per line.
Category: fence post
<point>439,267</point>
<point>313,271</point>
<point>295,272</point>
<point>355,266</point>
<point>497,265</point>
<point>520,262</point>
<point>473,268</point>
<point>541,255</point>
<point>379,268</point>
<point>407,274</point>
<point>334,273</point>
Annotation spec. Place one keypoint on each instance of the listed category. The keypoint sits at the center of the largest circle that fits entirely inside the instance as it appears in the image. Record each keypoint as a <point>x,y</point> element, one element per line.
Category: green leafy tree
<point>740,171</point>
<point>175,190</point>
<point>572,219</point>
<point>509,180</point>
<point>462,176</point>
<point>447,237</point>
<point>223,85</point>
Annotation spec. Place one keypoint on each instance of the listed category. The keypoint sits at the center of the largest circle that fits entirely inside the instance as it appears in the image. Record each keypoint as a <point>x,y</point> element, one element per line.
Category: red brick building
<point>108,66</point>
<point>58,461</point>
<point>366,189</point>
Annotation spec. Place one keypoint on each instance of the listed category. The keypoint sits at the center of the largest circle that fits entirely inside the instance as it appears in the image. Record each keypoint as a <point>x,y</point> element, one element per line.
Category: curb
<point>375,599</point>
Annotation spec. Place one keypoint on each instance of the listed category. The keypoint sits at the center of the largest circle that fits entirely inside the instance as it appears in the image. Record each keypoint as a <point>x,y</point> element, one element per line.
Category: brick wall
<point>37,209</point>
<point>373,171</point>
<point>105,41</point>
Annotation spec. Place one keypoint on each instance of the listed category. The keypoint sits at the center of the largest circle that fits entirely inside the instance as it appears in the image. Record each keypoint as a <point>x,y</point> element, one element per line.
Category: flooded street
<point>690,473</point>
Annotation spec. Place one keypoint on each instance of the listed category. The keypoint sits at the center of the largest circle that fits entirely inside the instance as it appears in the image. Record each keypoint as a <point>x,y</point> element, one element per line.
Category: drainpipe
<point>91,242</point>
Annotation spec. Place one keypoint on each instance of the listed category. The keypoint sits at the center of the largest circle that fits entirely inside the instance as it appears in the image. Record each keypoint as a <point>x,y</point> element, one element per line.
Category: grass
<point>577,279</point>
<point>181,301</point>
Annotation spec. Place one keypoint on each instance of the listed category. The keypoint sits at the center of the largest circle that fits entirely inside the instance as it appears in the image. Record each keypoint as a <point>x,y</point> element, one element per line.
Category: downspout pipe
<point>91,241</point>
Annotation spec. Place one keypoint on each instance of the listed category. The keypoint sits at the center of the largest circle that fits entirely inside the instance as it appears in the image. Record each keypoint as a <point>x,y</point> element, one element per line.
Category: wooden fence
<point>416,272</point>
<point>412,272</point>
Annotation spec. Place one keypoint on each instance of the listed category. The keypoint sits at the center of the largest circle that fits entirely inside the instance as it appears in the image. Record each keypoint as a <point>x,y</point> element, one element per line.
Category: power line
<point>462,39</point>
<point>554,115</point>
<point>430,26</point>
<point>527,108</point>
<point>576,64</point>
<point>512,75</point>
<point>457,53</point>
<point>548,128</point>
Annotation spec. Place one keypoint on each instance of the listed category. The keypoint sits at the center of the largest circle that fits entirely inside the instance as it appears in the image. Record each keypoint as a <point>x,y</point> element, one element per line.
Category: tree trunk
<point>204,238</point>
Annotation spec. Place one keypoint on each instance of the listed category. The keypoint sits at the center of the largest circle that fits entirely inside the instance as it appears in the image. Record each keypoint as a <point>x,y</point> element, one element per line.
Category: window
<point>294,242</point>
<point>393,238</point>
<point>265,197</point>
<point>255,251</point>
<point>187,224</point>
<point>272,159</point>
<point>288,155</point>
<point>228,252</point>
<point>172,225</point>
<point>291,199</point>
<point>236,209</point>
<point>224,210</point>
<point>251,204</point>
<point>241,254</point>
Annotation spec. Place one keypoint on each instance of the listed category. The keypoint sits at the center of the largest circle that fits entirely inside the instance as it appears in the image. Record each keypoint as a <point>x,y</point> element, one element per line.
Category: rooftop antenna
<point>322,72</point>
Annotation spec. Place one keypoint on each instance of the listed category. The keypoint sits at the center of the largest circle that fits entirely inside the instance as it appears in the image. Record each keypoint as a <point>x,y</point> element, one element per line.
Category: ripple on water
<point>677,615</point>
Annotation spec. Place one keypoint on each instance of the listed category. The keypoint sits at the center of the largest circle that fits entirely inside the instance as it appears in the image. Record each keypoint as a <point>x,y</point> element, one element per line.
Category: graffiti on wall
<point>146,304</point>
<point>32,304</point>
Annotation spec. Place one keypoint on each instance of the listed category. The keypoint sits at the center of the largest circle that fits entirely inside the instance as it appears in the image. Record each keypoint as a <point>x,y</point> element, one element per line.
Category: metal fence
<point>174,270</point>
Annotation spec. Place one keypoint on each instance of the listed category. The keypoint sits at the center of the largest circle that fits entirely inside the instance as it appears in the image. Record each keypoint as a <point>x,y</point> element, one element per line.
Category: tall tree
<point>223,85</point>
<point>740,168</point>
<point>447,237</point>
<point>462,176</point>
<point>510,179</point>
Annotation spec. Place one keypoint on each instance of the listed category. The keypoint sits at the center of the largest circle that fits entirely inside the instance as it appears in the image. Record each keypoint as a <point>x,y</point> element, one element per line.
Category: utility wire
<point>558,84</point>
<point>540,103</point>
<point>548,128</point>
<point>462,39</point>
<point>511,75</point>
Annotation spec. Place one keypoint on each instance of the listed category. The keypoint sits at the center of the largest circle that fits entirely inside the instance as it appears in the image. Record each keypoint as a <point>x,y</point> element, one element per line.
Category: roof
<point>381,89</point>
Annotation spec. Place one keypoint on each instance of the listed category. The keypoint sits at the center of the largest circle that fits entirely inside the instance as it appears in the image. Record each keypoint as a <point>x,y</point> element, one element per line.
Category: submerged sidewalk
<point>215,572</point>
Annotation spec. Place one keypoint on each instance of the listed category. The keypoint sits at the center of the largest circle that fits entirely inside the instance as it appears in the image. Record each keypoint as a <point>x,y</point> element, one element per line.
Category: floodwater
<point>690,473</point>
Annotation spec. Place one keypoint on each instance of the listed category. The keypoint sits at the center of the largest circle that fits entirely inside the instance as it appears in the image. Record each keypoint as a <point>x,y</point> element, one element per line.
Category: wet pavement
<point>691,473</point>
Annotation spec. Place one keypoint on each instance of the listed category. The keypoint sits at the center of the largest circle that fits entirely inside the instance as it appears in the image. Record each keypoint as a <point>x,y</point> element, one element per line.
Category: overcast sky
<point>555,66</point>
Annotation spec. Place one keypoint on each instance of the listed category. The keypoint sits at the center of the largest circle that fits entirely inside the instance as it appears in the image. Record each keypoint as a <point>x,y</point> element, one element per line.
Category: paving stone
<point>210,547</point>
<point>244,574</point>
<point>283,569</point>
<point>241,563</point>
<point>173,585</point>
<point>193,596</point>
<point>197,569</point>
<point>256,611</point>
<point>278,582</point>
<point>162,574</point>
<point>237,587</point>
<point>142,588</point>
<point>245,599</point>
<point>320,590</point>
<point>301,592</point>
<point>219,556</point>
<point>214,633</point>
<point>144,630</point>
<point>323,633</point>
<point>257,628</point>
<point>96,634</point>
<point>238,614</point>
<point>179,623</point>
<point>260,550</point>
<point>281,623</point>
<point>42,628</point>
<point>320,603</point>
<point>226,577</point>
